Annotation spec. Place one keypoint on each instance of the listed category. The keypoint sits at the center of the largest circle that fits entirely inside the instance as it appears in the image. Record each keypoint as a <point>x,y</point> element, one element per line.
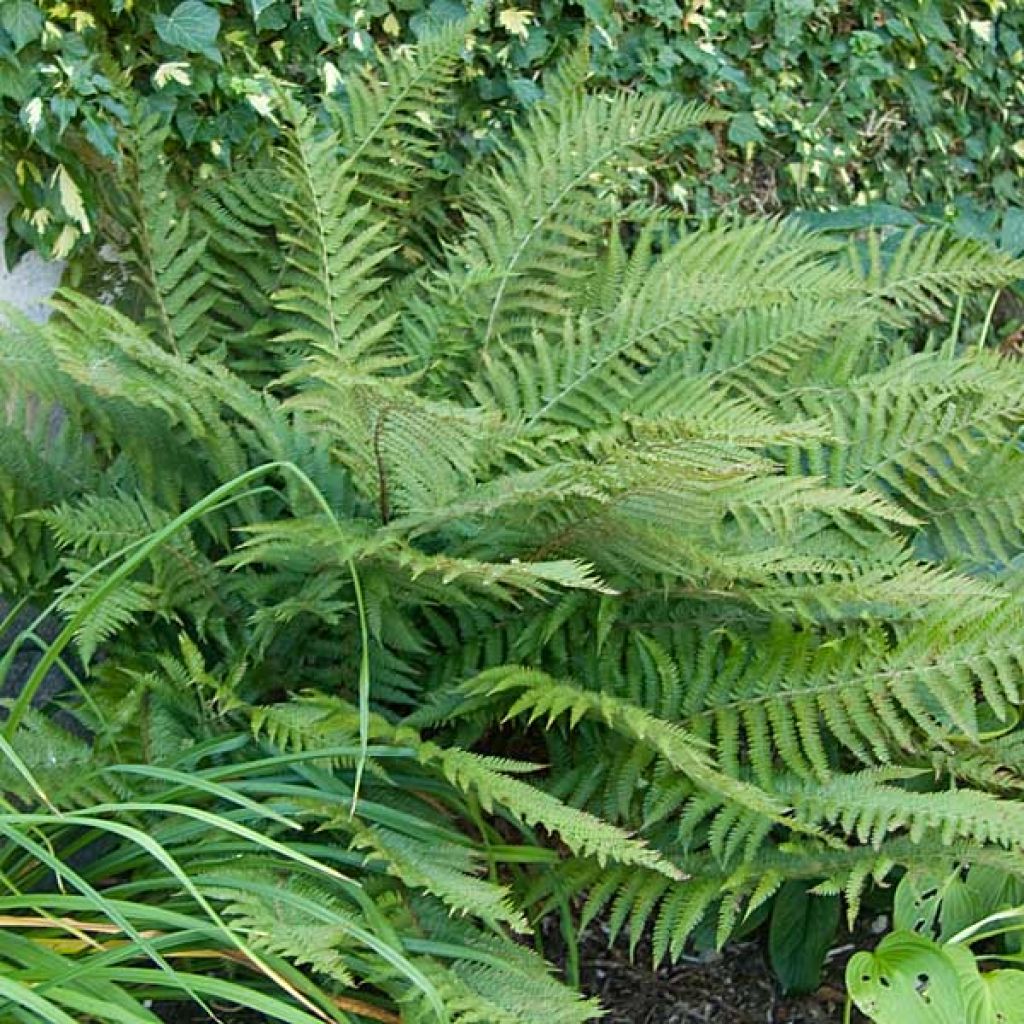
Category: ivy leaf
<point>101,134</point>
<point>907,978</point>
<point>192,26</point>
<point>516,22</point>
<point>71,198</point>
<point>802,928</point>
<point>440,12</point>
<point>32,114</point>
<point>525,90</point>
<point>16,83</point>
<point>743,129</point>
<point>326,19</point>
<point>259,6</point>
<point>1011,238</point>
<point>22,21</point>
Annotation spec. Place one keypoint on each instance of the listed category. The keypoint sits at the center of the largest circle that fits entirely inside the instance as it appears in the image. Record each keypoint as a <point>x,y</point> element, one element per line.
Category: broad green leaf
<point>1011,238</point>
<point>192,26</point>
<point>908,979</point>
<point>743,129</point>
<point>803,926</point>
<point>936,903</point>
<point>995,997</point>
<point>22,21</point>
<point>917,901</point>
<point>995,890</point>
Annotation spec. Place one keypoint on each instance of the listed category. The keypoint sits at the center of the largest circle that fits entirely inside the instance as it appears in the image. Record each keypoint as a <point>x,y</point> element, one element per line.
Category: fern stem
<point>382,478</point>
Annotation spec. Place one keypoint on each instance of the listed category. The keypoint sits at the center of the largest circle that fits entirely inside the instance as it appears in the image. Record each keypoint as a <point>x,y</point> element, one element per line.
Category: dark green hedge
<point>917,101</point>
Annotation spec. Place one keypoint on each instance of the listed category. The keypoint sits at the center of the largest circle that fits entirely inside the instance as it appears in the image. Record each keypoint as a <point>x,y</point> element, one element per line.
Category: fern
<point>687,521</point>
<point>390,122</point>
<point>530,218</point>
<point>332,252</point>
<point>166,251</point>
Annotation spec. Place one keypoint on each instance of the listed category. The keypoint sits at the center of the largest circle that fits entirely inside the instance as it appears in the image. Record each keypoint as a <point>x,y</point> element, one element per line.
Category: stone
<point>29,284</point>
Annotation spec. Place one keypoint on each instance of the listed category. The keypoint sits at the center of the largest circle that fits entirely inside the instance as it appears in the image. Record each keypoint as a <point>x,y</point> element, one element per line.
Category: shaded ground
<point>732,987</point>
<point>184,1013</point>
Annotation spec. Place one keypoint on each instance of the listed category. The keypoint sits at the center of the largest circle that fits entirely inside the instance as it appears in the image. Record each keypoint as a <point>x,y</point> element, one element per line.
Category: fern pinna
<point>683,506</point>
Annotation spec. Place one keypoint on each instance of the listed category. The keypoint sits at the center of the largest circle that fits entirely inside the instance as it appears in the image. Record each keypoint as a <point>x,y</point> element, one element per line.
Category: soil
<point>735,986</point>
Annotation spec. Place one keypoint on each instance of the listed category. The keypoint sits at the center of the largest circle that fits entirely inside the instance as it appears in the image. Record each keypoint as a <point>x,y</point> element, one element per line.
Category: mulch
<point>735,986</point>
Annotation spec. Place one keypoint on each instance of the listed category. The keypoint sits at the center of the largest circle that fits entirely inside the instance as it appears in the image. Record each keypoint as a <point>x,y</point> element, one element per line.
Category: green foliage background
<point>917,101</point>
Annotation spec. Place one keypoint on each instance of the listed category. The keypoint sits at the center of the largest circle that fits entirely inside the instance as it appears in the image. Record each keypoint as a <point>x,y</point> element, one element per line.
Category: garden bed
<point>735,986</point>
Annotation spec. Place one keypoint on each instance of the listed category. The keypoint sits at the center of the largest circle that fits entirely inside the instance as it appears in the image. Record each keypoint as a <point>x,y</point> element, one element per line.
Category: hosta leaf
<point>995,997</point>
<point>908,978</point>
<point>803,926</point>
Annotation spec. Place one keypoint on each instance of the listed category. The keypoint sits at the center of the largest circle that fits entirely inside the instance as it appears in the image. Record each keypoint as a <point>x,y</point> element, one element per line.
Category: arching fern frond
<point>391,119</point>
<point>529,217</point>
<point>168,253</point>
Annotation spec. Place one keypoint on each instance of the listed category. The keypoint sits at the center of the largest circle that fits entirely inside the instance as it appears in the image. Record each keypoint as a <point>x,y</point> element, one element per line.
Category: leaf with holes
<point>995,997</point>
<point>917,901</point>
<point>936,903</point>
<point>908,978</point>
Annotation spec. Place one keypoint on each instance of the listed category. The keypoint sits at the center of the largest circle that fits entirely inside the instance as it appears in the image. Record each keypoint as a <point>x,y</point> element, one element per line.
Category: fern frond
<point>581,832</point>
<point>239,218</point>
<point>446,872</point>
<point>541,696</point>
<point>167,252</point>
<point>530,217</point>
<point>869,809</point>
<point>334,251</point>
<point>929,267</point>
<point>391,119</point>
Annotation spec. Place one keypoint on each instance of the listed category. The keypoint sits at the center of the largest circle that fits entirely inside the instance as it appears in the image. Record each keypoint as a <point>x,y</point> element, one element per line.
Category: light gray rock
<point>29,284</point>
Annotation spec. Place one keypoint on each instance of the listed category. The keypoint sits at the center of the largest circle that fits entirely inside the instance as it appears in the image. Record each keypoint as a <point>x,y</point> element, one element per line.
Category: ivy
<point>834,103</point>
